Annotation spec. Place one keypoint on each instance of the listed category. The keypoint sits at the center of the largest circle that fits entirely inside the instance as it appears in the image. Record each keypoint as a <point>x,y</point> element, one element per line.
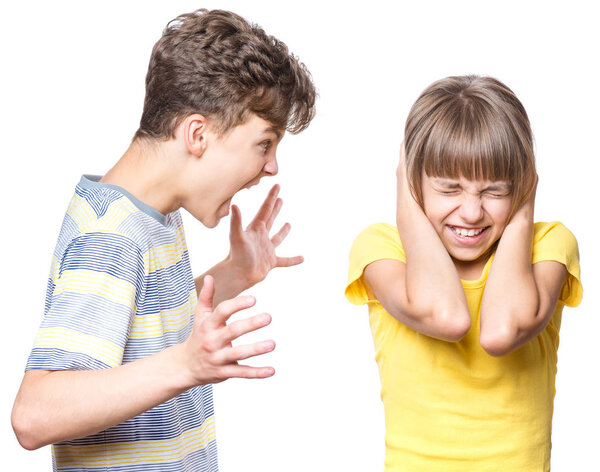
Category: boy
<point>465,295</point>
<point>120,374</point>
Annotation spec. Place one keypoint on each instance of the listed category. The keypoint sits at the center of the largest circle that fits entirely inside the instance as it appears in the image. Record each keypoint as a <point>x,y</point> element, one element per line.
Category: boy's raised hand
<point>252,252</point>
<point>210,356</point>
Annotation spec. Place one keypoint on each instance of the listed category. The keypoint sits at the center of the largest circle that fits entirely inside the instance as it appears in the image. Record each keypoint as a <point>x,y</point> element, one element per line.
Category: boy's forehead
<point>258,125</point>
<point>252,127</point>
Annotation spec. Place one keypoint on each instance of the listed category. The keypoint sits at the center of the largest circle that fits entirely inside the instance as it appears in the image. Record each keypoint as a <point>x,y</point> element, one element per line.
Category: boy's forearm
<point>433,287</point>
<point>54,406</point>
<point>229,282</point>
<point>510,301</point>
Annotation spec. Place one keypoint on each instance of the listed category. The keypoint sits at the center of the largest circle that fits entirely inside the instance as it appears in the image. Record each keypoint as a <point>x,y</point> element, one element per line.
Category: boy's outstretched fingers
<point>281,234</point>
<point>274,212</point>
<point>225,309</point>
<point>248,372</point>
<point>289,261</point>
<point>269,206</point>
<point>210,357</point>
<point>239,353</point>
<point>205,299</point>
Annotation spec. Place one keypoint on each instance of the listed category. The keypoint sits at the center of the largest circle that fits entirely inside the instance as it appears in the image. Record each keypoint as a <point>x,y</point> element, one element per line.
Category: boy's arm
<point>519,297</point>
<point>252,251</point>
<point>54,406</point>
<point>425,294</point>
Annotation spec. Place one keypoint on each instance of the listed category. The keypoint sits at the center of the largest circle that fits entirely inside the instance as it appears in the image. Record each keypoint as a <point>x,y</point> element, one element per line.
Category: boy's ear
<point>194,134</point>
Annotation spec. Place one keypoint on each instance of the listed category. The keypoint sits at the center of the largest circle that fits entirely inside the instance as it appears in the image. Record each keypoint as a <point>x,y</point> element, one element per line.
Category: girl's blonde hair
<point>472,127</point>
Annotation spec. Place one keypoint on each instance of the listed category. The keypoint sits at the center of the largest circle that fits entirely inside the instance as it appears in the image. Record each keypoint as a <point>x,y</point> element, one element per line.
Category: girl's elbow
<point>498,343</point>
<point>453,325</point>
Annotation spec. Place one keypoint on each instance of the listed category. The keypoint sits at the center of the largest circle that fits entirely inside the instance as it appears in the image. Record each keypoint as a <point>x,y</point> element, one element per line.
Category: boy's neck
<point>151,173</point>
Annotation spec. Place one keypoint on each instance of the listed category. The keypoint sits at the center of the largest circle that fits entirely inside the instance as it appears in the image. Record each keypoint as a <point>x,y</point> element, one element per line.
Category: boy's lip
<point>224,210</point>
<point>252,183</point>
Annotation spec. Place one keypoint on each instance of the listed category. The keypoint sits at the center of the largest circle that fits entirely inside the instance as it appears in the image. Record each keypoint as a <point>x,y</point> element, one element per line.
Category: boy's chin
<point>213,220</point>
<point>210,223</point>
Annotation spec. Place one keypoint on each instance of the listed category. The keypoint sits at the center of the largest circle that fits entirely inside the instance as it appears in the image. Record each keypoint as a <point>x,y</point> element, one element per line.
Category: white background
<point>72,86</point>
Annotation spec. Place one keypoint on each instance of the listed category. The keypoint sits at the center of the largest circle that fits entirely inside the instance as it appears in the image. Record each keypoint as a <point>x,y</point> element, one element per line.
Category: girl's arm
<point>519,297</point>
<point>425,294</point>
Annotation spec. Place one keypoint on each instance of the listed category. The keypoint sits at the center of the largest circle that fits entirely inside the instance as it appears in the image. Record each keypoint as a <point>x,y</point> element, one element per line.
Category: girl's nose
<point>471,210</point>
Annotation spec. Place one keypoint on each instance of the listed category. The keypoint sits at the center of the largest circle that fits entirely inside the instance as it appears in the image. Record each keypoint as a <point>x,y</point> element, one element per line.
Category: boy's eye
<point>266,145</point>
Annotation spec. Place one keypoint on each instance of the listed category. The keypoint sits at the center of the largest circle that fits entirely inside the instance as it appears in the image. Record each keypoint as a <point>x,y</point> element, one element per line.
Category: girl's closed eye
<point>495,194</point>
<point>501,191</point>
<point>449,192</point>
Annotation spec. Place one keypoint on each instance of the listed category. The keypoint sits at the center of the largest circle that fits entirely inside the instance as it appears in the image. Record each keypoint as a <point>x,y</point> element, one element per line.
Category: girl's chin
<point>470,256</point>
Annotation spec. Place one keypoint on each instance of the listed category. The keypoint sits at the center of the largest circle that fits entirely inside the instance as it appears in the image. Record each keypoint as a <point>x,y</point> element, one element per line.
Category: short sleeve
<point>92,296</point>
<point>378,241</point>
<point>554,242</point>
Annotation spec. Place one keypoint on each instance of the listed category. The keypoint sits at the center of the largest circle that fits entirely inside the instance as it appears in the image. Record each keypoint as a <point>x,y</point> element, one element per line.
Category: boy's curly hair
<point>474,127</point>
<point>217,64</point>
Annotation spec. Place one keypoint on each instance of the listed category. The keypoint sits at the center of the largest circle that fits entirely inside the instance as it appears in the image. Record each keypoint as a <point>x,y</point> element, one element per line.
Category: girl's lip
<point>467,240</point>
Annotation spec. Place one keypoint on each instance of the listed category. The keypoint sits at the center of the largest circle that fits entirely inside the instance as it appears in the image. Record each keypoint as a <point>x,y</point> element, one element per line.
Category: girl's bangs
<point>471,149</point>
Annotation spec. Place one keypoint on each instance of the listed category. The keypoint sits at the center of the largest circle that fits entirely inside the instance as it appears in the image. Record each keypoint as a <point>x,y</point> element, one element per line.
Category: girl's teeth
<point>464,232</point>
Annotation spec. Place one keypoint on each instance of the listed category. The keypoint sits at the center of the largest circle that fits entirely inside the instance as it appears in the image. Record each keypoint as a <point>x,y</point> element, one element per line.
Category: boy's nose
<point>271,167</point>
<point>471,210</point>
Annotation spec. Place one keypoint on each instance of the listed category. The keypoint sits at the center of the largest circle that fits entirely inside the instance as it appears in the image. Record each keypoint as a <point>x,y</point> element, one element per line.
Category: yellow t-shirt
<point>450,406</point>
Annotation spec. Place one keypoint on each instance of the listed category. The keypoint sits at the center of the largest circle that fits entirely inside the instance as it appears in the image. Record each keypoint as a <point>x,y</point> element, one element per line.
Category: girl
<point>465,295</point>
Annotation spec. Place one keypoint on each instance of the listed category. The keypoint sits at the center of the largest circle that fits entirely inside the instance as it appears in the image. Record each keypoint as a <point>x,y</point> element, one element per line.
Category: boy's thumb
<point>205,299</point>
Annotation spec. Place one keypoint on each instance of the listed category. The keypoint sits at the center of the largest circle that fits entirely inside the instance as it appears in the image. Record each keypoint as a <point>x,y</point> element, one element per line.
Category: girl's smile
<point>468,215</point>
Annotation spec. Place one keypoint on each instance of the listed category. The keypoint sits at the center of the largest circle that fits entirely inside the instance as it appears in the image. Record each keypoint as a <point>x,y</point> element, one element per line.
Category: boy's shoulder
<point>99,208</point>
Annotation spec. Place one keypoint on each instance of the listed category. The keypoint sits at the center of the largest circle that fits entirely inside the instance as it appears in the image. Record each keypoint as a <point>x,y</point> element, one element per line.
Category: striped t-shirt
<point>121,289</point>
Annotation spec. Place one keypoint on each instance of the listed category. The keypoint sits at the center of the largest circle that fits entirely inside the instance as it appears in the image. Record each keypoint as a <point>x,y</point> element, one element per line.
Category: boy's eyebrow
<point>273,129</point>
